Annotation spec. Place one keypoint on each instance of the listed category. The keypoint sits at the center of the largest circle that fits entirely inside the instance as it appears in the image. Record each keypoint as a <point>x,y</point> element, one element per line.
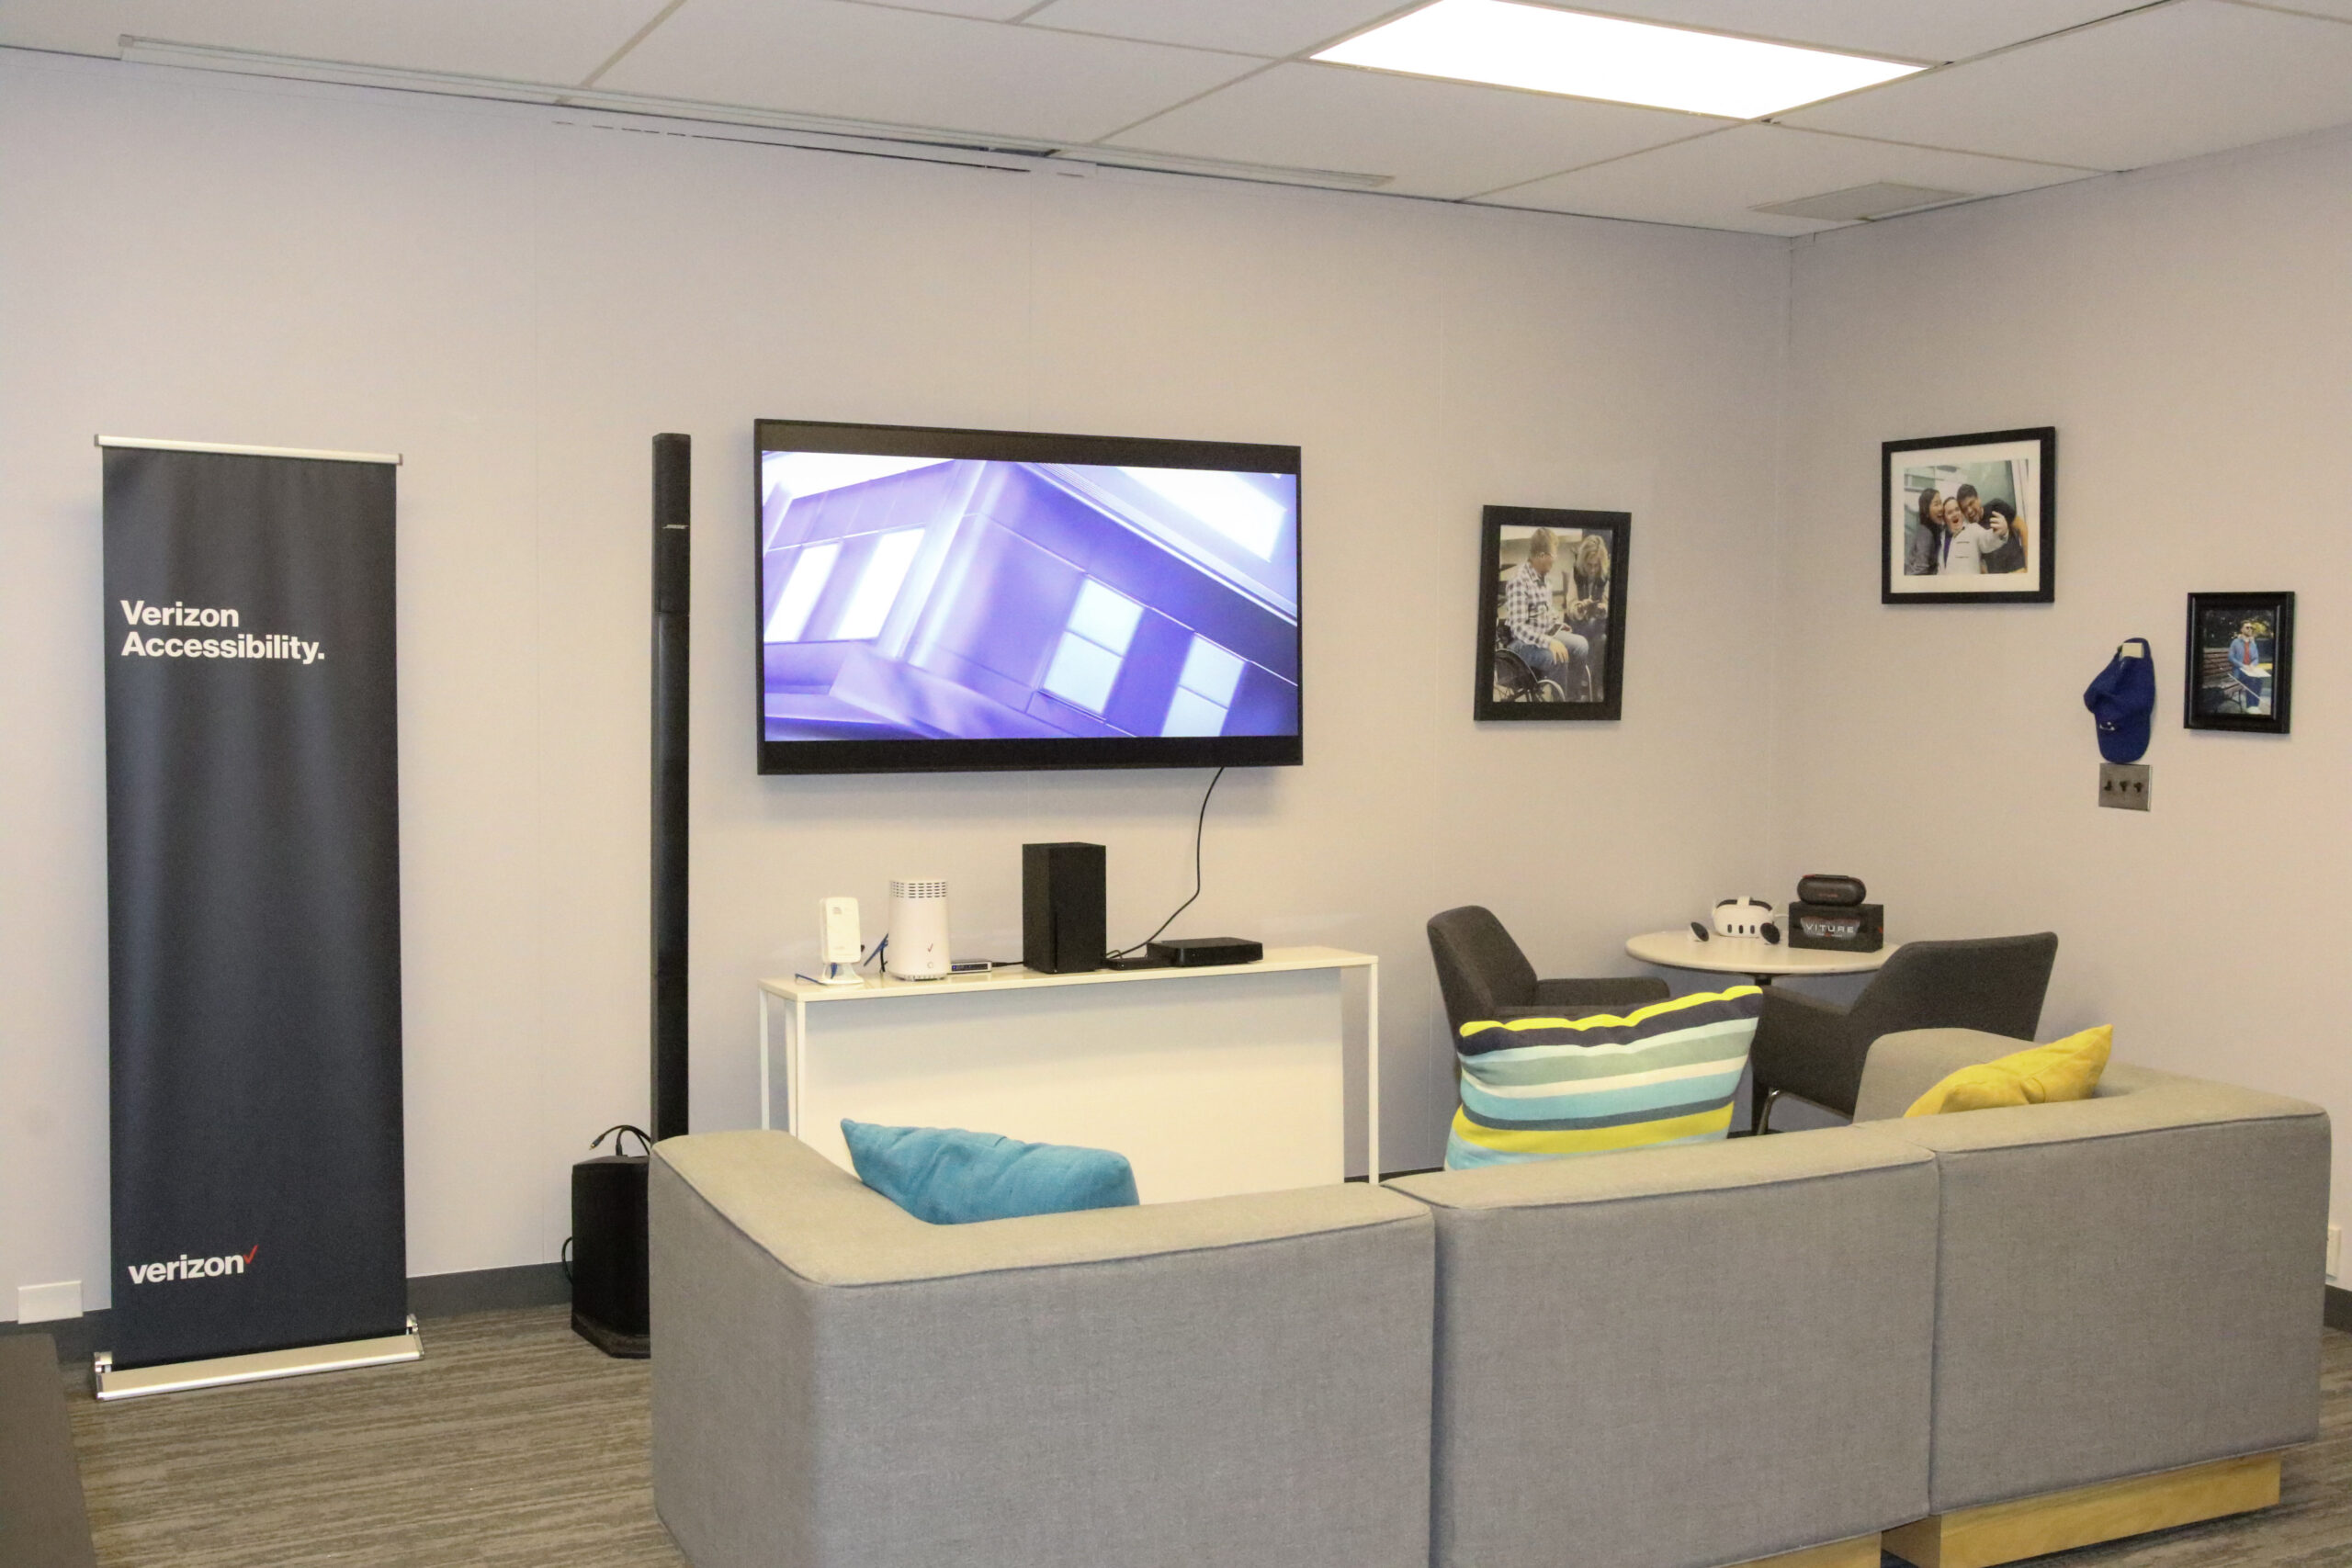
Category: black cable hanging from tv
<point>1198,824</point>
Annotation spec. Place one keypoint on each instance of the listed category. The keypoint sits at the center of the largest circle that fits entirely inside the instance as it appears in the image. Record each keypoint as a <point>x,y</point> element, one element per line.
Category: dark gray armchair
<point>1815,1050</point>
<point>1482,973</point>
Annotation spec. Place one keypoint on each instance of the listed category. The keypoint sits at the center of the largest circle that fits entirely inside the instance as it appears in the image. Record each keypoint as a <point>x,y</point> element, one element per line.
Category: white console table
<point>1211,1081</point>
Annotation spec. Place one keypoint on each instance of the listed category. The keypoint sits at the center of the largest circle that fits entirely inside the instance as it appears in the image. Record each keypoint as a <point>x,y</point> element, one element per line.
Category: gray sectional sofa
<point>2125,1285</point>
<point>1226,1382</point>
<point>1679,1357</point>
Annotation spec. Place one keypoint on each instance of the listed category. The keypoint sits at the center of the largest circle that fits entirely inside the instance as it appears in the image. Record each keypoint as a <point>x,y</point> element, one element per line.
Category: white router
<point>840,940</point>
<point>918,948</point>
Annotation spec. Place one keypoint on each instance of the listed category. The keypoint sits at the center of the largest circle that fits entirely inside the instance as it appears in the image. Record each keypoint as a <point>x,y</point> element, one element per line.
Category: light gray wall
<point>2187,330</point>
<point>517,300</point>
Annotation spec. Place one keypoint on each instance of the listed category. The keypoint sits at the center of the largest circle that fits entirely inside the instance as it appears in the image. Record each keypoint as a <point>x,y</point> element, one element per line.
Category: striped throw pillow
<point>1545,1087</point>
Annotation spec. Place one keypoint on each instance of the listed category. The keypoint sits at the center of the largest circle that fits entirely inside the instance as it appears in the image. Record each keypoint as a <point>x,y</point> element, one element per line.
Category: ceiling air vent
<point>1882,199</point>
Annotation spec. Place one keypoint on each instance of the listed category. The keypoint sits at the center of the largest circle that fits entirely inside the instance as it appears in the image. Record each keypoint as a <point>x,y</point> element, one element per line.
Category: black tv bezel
<point>803,758</point>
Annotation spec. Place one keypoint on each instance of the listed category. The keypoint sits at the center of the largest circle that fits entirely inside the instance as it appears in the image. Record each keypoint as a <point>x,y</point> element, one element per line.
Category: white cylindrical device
<point>918,928</point>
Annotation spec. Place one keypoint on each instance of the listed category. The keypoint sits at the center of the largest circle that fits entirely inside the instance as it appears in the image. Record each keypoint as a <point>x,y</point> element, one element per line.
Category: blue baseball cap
<point>2121,698</point>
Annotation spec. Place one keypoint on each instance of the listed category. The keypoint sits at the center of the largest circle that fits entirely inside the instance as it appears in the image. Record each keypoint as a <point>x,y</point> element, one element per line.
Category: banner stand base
<point>222,1370</point>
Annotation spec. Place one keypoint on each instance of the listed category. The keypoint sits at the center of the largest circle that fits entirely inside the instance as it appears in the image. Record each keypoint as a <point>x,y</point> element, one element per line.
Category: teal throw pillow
<point>948,1176</point>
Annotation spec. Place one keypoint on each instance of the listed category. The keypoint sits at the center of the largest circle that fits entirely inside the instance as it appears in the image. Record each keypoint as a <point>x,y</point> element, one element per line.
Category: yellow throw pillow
<point>2063,1069</point>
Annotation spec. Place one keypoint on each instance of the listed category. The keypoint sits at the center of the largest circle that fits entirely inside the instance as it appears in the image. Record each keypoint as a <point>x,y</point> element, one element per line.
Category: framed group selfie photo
<point>1970,519</point>
<point>1551,612</point>
<point>2241,662</point>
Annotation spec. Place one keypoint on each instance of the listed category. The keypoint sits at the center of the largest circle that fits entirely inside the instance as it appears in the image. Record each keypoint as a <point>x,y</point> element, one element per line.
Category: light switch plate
<point>2124,785</point>
<point>47,1304</point>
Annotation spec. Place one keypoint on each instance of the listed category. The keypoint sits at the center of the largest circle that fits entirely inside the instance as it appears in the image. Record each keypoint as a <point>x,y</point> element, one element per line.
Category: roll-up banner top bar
<point>143,444</point>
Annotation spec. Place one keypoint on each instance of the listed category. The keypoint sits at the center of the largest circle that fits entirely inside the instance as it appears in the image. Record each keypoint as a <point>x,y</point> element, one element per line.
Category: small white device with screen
<point>839,941</point>
<point>918,949</point>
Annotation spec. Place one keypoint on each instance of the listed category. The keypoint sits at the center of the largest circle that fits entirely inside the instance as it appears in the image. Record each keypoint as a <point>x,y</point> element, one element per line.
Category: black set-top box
<point>1200,951</point>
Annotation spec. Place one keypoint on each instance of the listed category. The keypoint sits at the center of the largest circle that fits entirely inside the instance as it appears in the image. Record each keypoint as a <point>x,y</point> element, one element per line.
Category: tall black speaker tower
<point>673,479</point>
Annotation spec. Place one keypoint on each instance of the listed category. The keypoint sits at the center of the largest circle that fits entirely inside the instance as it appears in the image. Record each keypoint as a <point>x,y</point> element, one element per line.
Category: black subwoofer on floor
<point>608,1245</point>
<point>608,1262</point>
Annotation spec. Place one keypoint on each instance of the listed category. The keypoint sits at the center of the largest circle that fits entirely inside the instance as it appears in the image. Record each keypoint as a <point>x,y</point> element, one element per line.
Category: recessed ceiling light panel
<point>1537,47</point>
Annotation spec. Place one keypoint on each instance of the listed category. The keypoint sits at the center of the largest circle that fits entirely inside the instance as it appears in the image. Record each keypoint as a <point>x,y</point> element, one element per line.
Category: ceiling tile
<point>1712,183</point>
<point>516,40</point>
<point>1447,139</point>
<point>2338,9</point>
<point>1252,26</point>
<point>820,57</point>
<point>2168,83</point>
<point>1903,29</point>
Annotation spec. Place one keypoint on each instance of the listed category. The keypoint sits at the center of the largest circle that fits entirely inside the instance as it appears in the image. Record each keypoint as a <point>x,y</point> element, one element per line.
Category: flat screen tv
<point>944,600</point>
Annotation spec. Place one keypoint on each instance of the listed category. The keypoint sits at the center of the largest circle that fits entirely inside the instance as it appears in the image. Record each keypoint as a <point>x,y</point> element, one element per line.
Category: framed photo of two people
<point>1551,612</point>
<point>1970,519</point>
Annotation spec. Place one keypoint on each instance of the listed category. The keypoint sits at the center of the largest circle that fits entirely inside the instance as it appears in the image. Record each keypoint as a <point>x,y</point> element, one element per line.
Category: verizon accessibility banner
<point>253,881</point>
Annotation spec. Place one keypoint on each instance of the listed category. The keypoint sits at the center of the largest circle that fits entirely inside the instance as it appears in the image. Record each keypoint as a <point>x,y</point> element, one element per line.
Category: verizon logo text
<point>186,1268</point>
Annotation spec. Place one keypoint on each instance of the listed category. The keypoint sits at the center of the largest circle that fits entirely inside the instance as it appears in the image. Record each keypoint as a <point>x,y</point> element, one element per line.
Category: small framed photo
<point>1551,612</point>
<point>2241,662</point>
<point>1970,519</point>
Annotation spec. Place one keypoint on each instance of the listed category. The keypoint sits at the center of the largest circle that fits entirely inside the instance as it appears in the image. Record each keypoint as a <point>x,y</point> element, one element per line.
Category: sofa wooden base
<point>2060,1521</point>
<point>1861,1551</point>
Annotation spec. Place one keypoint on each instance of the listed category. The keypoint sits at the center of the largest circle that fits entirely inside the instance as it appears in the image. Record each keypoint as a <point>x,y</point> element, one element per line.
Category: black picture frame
<point>1915,566</point>
<point>2224,686</point>
<point>1516,688</point>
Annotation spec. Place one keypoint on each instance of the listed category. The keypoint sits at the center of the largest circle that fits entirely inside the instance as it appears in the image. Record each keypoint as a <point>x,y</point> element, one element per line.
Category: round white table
<point>1750,955</point>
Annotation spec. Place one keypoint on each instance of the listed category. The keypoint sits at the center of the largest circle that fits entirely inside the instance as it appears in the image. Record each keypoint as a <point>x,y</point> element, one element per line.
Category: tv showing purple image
<point>996,601</point>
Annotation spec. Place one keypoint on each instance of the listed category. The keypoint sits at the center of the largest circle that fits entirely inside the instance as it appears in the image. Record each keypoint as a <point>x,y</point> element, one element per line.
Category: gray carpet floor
<point>512,1443</point>
<point>515,1443</point>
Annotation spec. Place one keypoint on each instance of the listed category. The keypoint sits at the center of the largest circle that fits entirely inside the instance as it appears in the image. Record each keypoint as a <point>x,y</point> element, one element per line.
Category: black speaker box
<point>608,1263</point>
<point>1061,907</point>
